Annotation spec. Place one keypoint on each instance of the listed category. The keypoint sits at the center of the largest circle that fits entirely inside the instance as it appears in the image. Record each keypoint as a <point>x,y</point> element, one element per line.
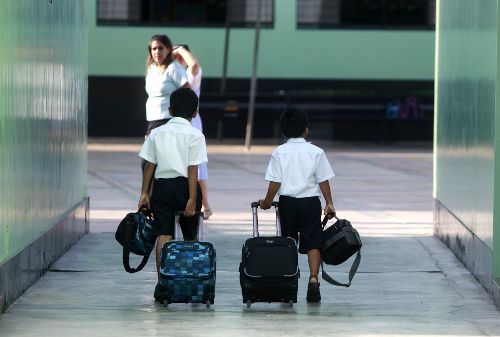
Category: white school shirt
<point>299,166</point>
<point>195,83</point>
<point>173,147</point>
<point>159,86</point>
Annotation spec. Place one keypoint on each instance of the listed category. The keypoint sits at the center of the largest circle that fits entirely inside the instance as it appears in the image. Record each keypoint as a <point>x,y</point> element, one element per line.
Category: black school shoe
<point>313,293</point>
<point>159,294</point>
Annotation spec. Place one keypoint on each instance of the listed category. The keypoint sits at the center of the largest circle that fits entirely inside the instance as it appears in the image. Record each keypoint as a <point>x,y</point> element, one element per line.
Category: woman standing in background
<point>163,76</point>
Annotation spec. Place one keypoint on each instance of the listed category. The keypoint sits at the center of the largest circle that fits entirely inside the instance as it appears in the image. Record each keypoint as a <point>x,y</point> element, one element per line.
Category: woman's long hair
<point>164,40</point>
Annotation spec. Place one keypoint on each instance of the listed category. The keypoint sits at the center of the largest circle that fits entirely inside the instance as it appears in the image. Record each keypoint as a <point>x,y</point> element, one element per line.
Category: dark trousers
<point>301,215</point>
<point>170,196</point>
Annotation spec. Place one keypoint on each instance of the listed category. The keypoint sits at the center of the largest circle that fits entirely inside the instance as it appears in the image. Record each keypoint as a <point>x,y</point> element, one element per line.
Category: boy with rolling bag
<point>172,153</point>
<point>299,172</point>
<point>269,269</point>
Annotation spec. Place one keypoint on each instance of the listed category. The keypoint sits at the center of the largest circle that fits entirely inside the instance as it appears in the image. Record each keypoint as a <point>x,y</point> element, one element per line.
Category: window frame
<point>341,26</point>
<point>139,23</point>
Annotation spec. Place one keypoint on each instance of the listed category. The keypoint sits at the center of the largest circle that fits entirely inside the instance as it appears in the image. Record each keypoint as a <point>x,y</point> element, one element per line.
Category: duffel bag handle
<point>146,211</point>
<point>326,218</point>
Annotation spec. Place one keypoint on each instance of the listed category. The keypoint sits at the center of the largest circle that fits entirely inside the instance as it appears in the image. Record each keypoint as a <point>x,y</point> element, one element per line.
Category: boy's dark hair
<point>185,46</point>
<point>183,103</point>
<point>293,122</point>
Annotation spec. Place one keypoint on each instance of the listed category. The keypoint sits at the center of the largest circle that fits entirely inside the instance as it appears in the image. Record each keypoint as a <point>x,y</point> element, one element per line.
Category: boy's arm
<point>193,184</point>
<point>273,188</point>
<point>324,186</point>
<point>147,176</point>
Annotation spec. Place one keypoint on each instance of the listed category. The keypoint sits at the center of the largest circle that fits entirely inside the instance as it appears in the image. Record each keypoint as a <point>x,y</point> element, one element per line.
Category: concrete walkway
<point>408,284</point>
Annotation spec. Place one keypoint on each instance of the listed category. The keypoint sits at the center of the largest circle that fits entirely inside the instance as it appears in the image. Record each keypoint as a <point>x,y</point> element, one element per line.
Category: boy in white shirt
<point>299,171</point>
<point>172,153</point>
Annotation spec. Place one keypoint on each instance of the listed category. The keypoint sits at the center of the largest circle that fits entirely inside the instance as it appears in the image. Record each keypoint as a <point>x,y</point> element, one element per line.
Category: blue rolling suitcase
<point>187,270</point>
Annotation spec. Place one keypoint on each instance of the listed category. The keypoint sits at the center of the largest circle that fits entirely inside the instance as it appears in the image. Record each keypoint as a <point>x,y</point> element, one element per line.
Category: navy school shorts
<point>170,196</point>
<point>300,219</point>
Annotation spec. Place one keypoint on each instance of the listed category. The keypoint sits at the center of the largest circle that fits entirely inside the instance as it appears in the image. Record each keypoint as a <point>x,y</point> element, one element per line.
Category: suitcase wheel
<point>249,303</point>
<point>207,303</point>
<point>290,303</point>
<point>165,303</point>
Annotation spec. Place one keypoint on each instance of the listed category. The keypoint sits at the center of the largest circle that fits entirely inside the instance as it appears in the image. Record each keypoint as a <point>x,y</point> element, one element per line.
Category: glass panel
<point>43,116</point>
<point>466,89</point>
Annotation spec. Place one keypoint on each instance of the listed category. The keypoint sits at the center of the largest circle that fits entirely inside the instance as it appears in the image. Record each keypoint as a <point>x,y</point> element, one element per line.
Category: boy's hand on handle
<point>264,204</point>
<point>190,207</point>
<point>267,202</point>
<point>330,211</point>
<point>144,200</point>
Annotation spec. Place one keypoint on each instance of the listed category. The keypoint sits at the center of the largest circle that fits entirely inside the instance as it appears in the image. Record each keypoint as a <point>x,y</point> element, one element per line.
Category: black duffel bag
<point>137,234</point>
<point>340,242</point>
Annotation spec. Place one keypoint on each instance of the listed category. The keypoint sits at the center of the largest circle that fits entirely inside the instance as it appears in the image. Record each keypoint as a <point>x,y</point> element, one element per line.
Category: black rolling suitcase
<point>269,269</point>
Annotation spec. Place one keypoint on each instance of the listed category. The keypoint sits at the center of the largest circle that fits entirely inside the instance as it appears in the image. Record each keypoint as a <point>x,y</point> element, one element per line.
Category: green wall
<point>285,51</point>
<point>496,200</point>
<point>43,116</point>
<point>465,101</point>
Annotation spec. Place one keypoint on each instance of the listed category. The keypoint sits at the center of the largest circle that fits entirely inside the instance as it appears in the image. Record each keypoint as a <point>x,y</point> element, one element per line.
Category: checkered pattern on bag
<point>145,236</point>
<point>190,290</point>
<point>187,271</point>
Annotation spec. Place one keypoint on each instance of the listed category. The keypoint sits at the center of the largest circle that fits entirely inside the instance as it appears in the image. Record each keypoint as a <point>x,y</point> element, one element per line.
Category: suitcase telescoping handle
<point>178,231</point>
<point>256,205</point>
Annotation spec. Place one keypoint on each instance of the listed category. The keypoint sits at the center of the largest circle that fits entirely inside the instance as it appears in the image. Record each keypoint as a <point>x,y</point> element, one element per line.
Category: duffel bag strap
<point>126,253</point>
<point>126,263</point>
<point>353,270</point>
